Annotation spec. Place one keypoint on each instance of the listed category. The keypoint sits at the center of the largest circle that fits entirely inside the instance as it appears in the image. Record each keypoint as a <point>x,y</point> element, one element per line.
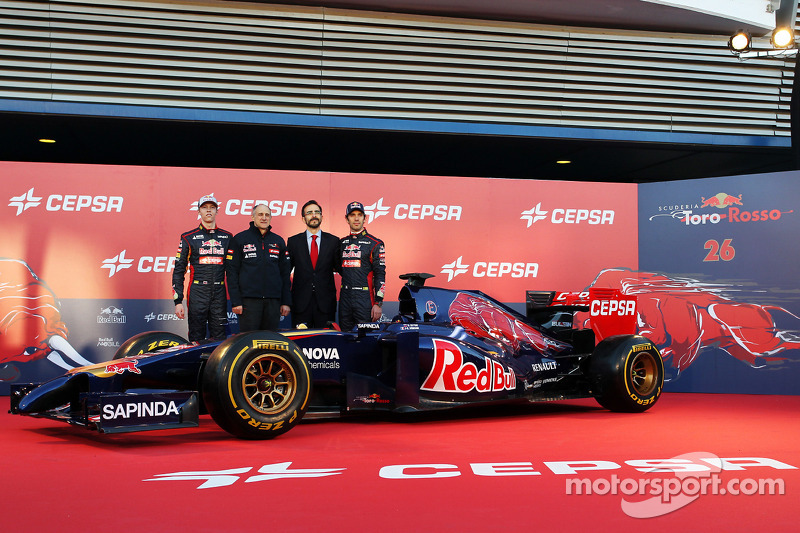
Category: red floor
<point>505,468</point>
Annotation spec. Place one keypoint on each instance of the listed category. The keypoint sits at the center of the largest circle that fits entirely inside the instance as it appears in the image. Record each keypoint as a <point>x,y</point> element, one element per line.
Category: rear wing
<point>607,311</point>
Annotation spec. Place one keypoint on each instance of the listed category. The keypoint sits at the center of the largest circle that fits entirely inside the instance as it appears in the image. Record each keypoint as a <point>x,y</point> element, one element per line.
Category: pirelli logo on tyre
<point>281,346</point>
<point>642,347</point>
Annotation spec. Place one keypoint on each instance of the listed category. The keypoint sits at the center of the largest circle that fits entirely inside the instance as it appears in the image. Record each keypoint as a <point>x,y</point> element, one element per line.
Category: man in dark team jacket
<point>257,266</point>
<point>315,256</point>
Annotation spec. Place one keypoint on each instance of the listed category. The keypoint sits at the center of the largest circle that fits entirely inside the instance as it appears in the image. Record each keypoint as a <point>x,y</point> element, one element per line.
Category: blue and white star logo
<point>25,201</point>
<point>534,215</point>
<point>454,269</point>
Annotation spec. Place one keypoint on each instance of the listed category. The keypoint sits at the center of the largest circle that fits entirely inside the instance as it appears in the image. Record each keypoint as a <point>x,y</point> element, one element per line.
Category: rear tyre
<point>627,373</point>
<point>148,342</point>
<point>256,385</point>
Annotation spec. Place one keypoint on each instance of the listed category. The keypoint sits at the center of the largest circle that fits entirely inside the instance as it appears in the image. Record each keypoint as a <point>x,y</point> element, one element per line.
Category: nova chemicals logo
<point>412,211</point>
<point>66,202</point>
<point>568,216</point>
<point>491,269</point>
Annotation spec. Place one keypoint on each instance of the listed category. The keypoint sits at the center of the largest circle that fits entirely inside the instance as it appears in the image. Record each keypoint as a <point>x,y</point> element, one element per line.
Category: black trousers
<point>312,316</point>
<point>207,305</point>
<point>355,307</point>
<point>260,313</point>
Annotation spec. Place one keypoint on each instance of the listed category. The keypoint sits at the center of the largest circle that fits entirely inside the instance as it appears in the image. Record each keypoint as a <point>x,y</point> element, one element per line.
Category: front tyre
<point>256,385</point>
<point>627,373</point>
<point>148,342</point>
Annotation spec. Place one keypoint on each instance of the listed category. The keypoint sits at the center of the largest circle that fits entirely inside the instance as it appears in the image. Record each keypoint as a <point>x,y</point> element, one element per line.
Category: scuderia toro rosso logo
<point>718,208</point>
<point>450,373</point>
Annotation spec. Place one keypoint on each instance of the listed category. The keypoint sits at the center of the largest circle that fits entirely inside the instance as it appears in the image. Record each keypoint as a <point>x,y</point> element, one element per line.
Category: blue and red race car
<point>445,349</point>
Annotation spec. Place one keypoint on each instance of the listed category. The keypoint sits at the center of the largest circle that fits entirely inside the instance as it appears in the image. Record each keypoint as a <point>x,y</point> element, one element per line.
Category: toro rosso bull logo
<point>450,373</point>
<point>123,366</point>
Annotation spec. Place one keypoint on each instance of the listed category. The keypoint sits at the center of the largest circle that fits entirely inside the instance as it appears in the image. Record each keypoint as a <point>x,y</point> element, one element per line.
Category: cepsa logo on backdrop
<point>239,206</point>
<point>65,202</point>
<point>403,211</point>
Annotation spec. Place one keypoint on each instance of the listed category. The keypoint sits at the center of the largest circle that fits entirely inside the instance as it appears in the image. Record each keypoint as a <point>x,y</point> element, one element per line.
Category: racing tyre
<point>627,373</point>
<point>256,385</point>
<point>148,342</point>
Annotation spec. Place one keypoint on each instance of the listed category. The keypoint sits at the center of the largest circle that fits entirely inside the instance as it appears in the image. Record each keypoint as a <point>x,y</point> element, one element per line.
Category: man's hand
<point>377,312</point>
<point>237,310</point>
<point>180,312</point>
<point>285,310</point>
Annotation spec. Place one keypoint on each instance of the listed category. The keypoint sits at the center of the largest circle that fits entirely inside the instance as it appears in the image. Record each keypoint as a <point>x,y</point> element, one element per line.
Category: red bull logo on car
<point>450,373</point>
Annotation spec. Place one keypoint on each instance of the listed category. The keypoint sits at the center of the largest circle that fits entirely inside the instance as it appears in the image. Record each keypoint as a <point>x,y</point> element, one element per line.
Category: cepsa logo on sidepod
<point>237,206</point>
<point>490,269</point>
<point>66,202</point>
<point>568,216</point>
<point>412,211</point>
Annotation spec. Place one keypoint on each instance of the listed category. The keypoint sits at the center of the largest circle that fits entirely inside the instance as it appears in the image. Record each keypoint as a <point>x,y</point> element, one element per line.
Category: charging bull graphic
<point>484,320</point>
<point>684,316</point>
<point>30,322</point>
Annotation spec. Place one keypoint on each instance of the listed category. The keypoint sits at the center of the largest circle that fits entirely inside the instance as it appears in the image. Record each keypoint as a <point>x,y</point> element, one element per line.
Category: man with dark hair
<point>257,266</point>
<point>315,256</point>
<point>202,250</point>
<point>363,272</point>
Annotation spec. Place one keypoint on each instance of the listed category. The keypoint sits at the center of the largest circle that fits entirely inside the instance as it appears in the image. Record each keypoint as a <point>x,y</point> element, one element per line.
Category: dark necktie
<point>314,251</point>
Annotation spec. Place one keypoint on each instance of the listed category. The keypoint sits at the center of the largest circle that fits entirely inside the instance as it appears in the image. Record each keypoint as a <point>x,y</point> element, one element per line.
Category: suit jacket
<point>318,280</point>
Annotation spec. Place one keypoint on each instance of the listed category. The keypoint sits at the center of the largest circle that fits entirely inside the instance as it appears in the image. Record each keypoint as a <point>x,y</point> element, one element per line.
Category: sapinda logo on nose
<point>66,202</point>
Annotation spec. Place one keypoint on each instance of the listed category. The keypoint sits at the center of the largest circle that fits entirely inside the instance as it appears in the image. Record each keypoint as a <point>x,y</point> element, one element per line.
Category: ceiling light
<point>563,162</point>
<point>47,141</point>
<point>783,37</point>
<point>740,42</point>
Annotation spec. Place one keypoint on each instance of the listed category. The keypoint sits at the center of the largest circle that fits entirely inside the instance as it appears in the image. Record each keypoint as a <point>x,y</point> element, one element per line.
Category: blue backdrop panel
<point>719,260</point>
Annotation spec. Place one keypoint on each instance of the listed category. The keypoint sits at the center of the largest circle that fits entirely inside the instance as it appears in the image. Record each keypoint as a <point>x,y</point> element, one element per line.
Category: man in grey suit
<point>315,256</point>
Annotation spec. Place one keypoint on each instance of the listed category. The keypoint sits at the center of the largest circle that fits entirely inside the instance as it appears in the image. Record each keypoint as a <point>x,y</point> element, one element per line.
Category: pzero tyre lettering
<point>148,342</point>
<point>256,385</point>
<point>627,373</point>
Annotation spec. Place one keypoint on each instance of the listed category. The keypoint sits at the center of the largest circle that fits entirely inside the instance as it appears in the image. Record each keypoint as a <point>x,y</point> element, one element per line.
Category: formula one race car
<point>446,348</point>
